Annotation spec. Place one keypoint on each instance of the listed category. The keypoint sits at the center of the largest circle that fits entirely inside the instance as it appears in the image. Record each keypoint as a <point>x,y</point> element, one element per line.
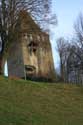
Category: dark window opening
<point>32,44</point>
<point>32,47</point>
<point>30,69</point>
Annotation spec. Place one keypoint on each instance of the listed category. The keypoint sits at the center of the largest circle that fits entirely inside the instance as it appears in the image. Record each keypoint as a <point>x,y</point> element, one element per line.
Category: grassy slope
<point>28,103</point>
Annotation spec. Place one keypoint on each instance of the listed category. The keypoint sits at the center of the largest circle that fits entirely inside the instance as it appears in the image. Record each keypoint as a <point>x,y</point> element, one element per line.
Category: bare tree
<point>78,26</point>
<point>9,11</point>
<point>74,65</point>
<point>62,46</point>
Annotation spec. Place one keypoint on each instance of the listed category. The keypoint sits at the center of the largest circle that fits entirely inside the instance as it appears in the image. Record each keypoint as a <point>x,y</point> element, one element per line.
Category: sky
<point>67,12</point>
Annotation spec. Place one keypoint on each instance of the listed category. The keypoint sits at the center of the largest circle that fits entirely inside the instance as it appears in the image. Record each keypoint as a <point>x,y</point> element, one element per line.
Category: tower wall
<point>31,55</point>
<point>15,61</point>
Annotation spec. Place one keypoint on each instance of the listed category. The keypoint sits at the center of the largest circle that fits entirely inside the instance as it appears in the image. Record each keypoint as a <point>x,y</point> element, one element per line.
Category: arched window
<point>32,46</point>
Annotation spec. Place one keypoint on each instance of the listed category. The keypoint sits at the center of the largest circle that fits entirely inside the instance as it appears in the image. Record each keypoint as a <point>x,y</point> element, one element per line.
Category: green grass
<point>31,103</point>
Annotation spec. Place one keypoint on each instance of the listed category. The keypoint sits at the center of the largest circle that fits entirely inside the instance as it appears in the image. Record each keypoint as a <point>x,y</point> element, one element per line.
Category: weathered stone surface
<point>30,55</point>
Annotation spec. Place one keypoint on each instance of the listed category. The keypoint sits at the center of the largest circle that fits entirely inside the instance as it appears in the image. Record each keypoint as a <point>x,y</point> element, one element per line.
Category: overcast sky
<point>67,12</point>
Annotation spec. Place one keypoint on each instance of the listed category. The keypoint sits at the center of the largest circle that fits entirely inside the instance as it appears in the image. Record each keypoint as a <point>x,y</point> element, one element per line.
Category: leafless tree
<point>63,50</point>
<point>9,11</point>
<point>78,26</point>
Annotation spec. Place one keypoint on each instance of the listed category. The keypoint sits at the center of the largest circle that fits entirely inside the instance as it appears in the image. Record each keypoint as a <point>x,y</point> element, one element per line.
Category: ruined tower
<point>30,56</point>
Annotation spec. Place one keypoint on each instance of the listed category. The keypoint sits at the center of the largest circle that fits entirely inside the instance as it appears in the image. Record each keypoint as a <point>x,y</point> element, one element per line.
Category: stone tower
<point>30,56</point>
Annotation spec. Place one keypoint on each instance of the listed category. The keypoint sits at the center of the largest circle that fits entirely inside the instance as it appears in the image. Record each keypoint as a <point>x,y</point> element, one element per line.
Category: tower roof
<point>27,24</point>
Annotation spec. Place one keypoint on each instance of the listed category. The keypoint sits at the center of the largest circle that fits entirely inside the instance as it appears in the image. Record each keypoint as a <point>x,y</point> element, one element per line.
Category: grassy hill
<point>30,103</point>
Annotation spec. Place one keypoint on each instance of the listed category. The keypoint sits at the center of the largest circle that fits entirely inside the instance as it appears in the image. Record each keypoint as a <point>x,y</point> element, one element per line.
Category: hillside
<point>30,103</point>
